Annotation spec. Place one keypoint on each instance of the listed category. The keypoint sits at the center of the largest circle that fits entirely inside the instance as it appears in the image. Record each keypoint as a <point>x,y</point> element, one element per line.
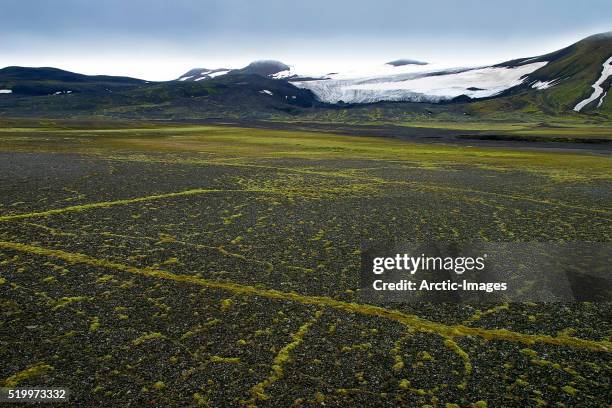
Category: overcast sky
<point>159,40</point>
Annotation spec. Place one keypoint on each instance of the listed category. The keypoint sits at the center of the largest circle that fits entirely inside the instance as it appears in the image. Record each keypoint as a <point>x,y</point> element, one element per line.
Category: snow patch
<point>598,90</point>
<point>209,74</point>
<point>65,92</point>
<point>601,100</point>
<point>283,74</point>
<point>6,91</point>
<point>218,73</point>
<point>265,91</point>
<point>544,84</point>
<point>430,86</point>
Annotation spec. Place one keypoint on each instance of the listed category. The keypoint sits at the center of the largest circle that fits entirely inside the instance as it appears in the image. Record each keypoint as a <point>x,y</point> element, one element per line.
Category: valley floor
<point>219,266</point>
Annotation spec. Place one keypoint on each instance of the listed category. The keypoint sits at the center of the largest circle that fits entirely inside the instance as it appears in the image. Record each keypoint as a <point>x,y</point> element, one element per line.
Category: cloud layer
<point>157,39</point>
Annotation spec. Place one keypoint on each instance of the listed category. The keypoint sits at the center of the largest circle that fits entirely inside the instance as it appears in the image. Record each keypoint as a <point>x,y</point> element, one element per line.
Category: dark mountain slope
<point>25,81</point>
<point>55,74</point>
<point>238,95</point>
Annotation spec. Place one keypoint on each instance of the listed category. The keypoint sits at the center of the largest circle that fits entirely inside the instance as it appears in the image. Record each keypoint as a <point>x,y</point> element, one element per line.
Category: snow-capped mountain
<point>561,73</point>
<point>265,68</point>
<point>199,74</point>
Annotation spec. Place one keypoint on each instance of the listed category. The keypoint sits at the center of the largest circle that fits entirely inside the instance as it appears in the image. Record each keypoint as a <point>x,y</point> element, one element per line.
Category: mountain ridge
<point>550,84</point>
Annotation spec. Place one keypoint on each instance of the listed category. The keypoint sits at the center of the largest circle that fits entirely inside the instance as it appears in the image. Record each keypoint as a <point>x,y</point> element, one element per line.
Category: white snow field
<point>597,89</point>
<point>411,85</point>
<point>6,91</point>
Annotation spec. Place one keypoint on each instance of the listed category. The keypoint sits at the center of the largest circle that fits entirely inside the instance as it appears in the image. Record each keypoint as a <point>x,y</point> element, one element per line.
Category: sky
<point>162,39</point>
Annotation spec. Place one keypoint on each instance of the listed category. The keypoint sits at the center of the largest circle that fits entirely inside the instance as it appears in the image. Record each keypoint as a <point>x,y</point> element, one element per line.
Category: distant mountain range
<point>574,79</point>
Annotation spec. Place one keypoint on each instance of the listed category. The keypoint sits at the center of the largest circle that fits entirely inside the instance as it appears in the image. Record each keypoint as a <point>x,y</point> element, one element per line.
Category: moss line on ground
<point>380,181</point>
<point>282,358</point>
<point>376,181</point>
<point>320,301</point>
<point>105,204</point>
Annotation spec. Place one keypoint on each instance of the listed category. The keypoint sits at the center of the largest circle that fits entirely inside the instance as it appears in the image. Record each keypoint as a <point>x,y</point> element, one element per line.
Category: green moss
<point>399,364</point>
<point>568,389</point>
<point>170,261</point>
<point>95,324</point>
<point>226,304</point>
<point>30,372</point>
<point>200,400</point>
<point>529,352</point>
<point>404,384</point>
<point>342,391</point>
<point>408,320</point>
<point>159,385</point>
<point>66,301</point>
<point>282,358</point>
<point>521,382</point>
<point>229,360</point>
<point>146,337</point>
<point>105,278</point>
<point>425,356</point>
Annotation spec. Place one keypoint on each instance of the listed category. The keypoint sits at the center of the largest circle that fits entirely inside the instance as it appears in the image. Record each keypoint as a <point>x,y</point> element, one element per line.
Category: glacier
<point>427,86</point>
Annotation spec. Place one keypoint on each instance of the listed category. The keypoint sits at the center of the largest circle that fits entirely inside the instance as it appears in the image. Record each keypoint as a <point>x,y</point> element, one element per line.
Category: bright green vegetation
<point>219,266</point>
<point>489,116</point>
<point>231,146</point>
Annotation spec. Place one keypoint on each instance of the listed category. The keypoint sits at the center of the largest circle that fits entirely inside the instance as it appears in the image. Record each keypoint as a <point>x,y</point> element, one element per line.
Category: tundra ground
<point>219,266</point>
